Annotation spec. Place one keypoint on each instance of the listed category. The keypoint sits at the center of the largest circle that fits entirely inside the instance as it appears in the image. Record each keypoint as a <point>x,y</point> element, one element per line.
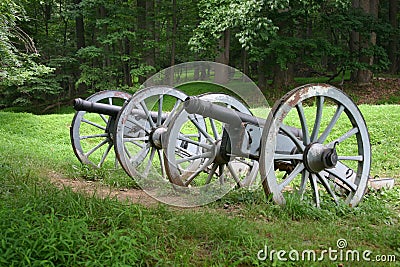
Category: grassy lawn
<point>41,225</point>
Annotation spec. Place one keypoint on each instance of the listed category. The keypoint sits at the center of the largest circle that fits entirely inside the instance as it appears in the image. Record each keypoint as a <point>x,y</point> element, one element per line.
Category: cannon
<point>133,125</point>
<point>314,141</point>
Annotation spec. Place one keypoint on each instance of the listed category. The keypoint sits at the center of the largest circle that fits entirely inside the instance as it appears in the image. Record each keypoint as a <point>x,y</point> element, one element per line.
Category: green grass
<point>41,225</point>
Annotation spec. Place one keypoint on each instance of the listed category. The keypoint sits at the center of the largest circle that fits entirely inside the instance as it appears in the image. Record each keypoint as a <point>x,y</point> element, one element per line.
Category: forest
<point>53,50</point>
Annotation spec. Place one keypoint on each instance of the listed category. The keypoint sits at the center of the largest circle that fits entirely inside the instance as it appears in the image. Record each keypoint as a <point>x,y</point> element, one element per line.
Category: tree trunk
<point>125,65</point>
<point>80,43</point>
<point>245,62</point>
<point>107,60</point>
<point>146,25</point>
<point>47,10</point>
<point>394,37</point>
<point>170,74</point>
<point>262,79</point>
<point>150,27</point>
<point>364,76</point>
<point>221,71</point>
<point>283,78</point>
<point>79,28</point>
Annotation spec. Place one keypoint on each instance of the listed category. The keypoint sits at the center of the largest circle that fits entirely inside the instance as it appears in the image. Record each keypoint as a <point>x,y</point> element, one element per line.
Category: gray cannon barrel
<point>112,110</point>
<point>194,105</point>
<point>88,106</point>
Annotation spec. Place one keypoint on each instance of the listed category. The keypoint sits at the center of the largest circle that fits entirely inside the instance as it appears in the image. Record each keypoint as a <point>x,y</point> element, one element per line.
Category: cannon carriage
<point>313,142</point>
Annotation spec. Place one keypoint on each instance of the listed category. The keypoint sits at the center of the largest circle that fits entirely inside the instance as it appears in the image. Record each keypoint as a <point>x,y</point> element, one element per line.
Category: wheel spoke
<point>204,145</point>
<point>234,174</point>
<point>299,168</point>
<point>314,186</point>
<point>126,150</point>
<point>295,140</point>
<point>162,163</point>
<point>172,113</point>
<point>103,158</point>
<point>140,156</point>
<point>160,107</point>
<point>344,137</point>
<point>248,163</point>
<point>355,158</point>
<point>199,170</point>
<point>318,117</point>
<point>212,172</point>
<point>180,151</point>
<point>198,156</point>
<point>104,118</point>
<point>102,143</point>
<point>192,135</point>
<point>147,112</point>
<point>304,178</point>
<point>304,127</point>
<point>149,162</point>
<point>94,124</point>
<point>203,131</point>
<point>141,145</point>
<point>140,126</point>
<point>288,156</point>
<point>328,188</point>
<point>214,129</point>
<point>331,124</point>
<point>93,136</point>
<point>134,139</point>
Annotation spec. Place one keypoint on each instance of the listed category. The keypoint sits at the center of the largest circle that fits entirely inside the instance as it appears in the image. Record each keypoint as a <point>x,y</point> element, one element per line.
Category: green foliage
<point>10,13</point>
<point>27,84</point>
<point>22,79</point>
<point>247,17</point>
<point>343,22</point>
<point>123,42</point>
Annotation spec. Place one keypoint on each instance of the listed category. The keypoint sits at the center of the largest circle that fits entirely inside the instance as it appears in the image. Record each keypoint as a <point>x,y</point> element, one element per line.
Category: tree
<point>79,26</point>
<point>394,36</point>
<point>22,79</point>
<point>219,19</point>
<point>92,45</point>
<point>362,42</point>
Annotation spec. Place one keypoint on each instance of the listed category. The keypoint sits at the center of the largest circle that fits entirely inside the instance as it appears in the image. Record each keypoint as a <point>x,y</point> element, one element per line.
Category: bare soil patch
<point>97,189</point>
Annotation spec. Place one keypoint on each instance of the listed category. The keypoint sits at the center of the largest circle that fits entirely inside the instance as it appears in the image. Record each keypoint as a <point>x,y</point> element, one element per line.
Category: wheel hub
<point>318,157</point>
<point>156,135</point>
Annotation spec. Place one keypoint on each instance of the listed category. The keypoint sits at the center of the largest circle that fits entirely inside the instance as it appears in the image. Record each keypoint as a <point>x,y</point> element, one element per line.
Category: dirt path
<point>136,196</point>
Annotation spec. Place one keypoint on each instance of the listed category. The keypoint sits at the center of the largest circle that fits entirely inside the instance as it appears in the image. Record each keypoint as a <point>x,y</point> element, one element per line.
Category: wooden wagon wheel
<point>328,159</point>
<point>215,167</point>
<point>140,127</point>
<point>92,134</point>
